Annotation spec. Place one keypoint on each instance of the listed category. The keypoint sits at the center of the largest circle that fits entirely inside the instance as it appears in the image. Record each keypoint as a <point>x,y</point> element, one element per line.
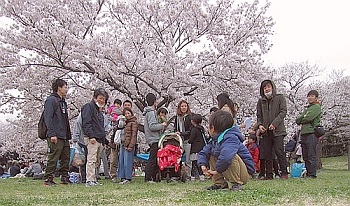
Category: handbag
<point>319,131</point>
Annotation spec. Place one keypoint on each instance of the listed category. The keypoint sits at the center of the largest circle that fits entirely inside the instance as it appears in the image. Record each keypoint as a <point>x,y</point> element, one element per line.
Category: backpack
<point>42,129</point>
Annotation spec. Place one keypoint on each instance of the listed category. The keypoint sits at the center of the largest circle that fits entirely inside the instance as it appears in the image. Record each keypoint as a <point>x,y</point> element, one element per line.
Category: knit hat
<point>313,92</point>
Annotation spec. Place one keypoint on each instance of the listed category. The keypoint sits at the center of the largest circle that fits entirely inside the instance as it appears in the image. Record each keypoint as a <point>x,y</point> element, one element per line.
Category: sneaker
<point>49,181</point>
<point>65,181</point>
<point>284,177</point>
<point>201,178</point>
<point>236,187</point>
<point>261,178</point>
<point>114,180</point>
<point>265,178</point>
<point>150,181</point>
<point>193,178</point>
<point>92,183</point>
<point>124,182</point>
<point>218,187</point>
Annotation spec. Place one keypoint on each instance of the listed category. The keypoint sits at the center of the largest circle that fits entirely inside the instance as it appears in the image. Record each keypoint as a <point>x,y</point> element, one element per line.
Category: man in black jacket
<point>271,111</point>
<point>58,133</point>
<point>94,133</point>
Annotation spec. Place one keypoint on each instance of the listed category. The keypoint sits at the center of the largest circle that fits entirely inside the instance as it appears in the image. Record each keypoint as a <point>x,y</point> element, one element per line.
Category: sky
<point>317,31</point>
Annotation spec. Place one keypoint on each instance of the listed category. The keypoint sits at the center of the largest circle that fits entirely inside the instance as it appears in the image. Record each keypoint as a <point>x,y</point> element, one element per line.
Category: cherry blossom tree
<point>175,49</point>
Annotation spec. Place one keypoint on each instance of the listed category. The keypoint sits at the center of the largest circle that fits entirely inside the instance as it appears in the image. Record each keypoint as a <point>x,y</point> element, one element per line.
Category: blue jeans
<point>125,164</point>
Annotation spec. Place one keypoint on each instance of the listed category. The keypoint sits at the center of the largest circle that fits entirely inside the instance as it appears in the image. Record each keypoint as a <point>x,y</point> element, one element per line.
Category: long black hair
<point>223,99</point>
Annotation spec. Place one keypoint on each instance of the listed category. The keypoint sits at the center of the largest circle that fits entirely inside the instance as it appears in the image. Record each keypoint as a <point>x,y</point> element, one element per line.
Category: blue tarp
<point>143,157</point>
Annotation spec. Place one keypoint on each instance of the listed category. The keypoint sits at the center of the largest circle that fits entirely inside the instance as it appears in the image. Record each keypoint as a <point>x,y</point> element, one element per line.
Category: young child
<point>162,116</point>
<point>197,141</point>
<point>114,110</point>
<point>254,151</point>
<point>225,157</point>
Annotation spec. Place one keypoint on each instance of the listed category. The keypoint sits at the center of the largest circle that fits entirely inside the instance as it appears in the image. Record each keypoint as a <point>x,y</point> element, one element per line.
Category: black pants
<point>195,168</point>
<point>275,143</point>
<point>308,144</point>
<point>83,167</point>
<point>152,166</point>
<point>263,168</point>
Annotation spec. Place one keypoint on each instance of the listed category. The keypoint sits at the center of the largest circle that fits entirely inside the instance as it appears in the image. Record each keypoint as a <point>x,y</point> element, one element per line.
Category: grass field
<point>332,187</point>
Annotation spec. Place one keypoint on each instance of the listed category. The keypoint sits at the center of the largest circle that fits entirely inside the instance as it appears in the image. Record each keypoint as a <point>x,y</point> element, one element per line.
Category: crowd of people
<point>222,153</point>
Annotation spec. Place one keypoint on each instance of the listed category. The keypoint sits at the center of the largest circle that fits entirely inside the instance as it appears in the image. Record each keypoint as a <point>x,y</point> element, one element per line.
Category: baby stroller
<point>170,149</point>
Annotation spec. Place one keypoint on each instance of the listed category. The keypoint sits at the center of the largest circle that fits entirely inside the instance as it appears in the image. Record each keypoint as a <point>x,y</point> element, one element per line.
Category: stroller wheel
<point>157,177</point>
<point>183,178</point>
<point>167,177</point>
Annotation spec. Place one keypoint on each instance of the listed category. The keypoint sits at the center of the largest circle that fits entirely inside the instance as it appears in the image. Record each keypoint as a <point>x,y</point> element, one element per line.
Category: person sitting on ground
<point>14,169</point>
<point>225,157</point>
<point>34,169</point>
<point>254,151</point>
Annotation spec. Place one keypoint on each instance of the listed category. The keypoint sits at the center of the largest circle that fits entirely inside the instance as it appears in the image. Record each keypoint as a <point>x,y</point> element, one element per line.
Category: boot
<point>49,181</point>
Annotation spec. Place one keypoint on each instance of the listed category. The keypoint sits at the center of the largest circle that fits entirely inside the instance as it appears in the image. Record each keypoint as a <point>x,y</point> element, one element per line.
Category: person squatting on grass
<point>94,133</point>
<point>271,111</point>
<point>58,133</point>
<point>152,133</point>
<point>225,157</point>
<point>310,118</point>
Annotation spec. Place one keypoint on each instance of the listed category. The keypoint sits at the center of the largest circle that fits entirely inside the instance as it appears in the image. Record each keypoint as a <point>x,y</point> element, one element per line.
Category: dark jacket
<point>272,111</point>
<point>225,146</point>
<point>56,117</point>
<point>130,132</point>
<point>310,118</point>
<point>93,122</point>
<point>187,123</point>
<point>197,140</point>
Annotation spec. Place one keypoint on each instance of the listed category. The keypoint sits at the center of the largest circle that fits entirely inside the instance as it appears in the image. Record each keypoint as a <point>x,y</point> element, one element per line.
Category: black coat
<point>93,122</point>
<point>56,117</point>
<point>197,139</point>
<point>187,123</point>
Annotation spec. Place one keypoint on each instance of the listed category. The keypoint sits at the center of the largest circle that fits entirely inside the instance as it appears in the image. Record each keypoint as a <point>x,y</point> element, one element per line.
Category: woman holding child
<point>128,141</point>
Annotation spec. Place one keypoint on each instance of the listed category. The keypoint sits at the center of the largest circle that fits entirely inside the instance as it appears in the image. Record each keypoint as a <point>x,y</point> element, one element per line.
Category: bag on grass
<point>297,170</point>
<point>79,156</point>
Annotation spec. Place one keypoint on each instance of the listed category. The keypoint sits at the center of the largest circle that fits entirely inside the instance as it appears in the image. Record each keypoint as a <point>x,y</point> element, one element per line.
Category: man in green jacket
<point>310,118</point>
<point>271,111</point>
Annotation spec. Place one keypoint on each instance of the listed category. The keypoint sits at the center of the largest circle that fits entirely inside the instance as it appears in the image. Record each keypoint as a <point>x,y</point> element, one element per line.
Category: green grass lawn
<point>332,187</point>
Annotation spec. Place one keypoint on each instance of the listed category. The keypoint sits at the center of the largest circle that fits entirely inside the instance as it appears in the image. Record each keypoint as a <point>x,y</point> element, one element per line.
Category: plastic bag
<point>117,137</point>
<point>79,156</point>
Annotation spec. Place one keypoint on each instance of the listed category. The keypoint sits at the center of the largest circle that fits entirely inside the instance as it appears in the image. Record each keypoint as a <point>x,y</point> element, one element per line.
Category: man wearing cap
<point>310,118</point>
<point>271,111</point>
